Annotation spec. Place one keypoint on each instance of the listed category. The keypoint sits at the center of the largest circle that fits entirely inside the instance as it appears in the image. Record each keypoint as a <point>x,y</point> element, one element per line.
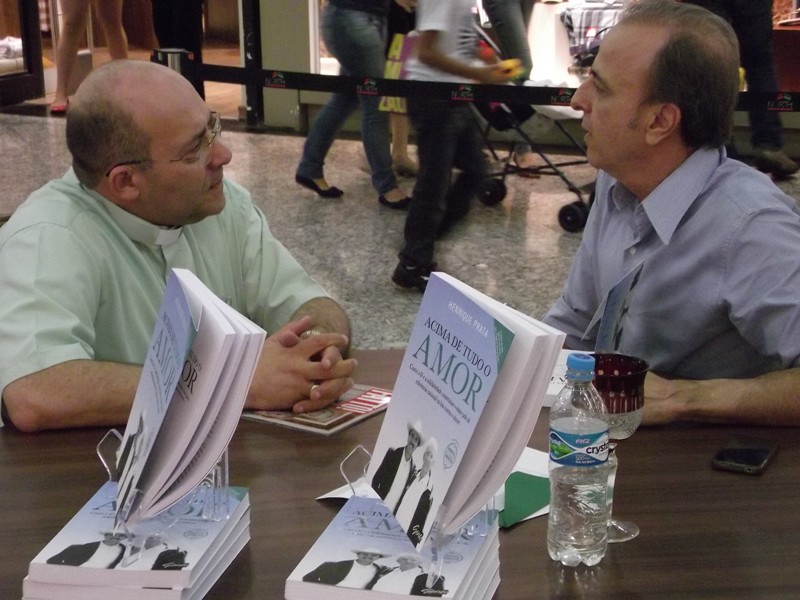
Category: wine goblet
<point>620,381</point>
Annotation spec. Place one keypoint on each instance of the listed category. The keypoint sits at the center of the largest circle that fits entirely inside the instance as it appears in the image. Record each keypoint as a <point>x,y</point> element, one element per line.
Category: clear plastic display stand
<point>210,500</point>
<point>354,469</point>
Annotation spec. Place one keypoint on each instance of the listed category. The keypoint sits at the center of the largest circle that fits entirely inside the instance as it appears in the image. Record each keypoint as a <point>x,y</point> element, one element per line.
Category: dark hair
<point>101,134</point>
<point>697,69</point>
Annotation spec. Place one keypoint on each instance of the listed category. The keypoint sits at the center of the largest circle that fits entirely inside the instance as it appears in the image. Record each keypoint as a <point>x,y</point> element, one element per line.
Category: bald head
<point>114,110</point>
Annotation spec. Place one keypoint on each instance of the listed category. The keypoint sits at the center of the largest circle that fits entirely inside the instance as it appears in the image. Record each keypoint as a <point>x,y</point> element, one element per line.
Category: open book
<point>464,405</point>
<point>194,382</point>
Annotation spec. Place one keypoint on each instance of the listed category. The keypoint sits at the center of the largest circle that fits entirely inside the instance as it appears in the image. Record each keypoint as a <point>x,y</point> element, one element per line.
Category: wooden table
<point>704,533</point>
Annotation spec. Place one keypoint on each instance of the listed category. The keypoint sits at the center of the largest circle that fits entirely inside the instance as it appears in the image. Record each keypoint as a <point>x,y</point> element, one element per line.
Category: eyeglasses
<point>213,131</point>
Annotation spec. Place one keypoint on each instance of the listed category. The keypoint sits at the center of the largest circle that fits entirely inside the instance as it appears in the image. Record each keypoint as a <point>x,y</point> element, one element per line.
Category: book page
<point>191,402</point>
<point>224,407</point>
<point>173,335</point>
<point>504,431</point>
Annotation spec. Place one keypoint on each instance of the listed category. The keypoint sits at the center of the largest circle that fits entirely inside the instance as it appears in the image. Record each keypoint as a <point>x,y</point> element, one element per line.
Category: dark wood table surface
<point>704,533</point>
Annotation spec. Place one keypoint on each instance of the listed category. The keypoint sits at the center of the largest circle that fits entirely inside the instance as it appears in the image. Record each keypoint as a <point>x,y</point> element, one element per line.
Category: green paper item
<point>525,494</point>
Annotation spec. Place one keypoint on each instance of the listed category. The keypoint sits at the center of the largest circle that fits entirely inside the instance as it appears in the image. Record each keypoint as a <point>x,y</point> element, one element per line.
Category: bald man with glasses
<point>84,261</point>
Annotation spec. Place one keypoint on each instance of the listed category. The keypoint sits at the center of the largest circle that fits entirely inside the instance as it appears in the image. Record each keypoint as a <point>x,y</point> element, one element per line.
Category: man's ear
<point>665,120</point>
<point>122,185</point>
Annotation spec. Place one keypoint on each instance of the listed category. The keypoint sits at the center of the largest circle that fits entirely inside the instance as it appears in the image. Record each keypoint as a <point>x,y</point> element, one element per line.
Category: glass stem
<point>612,477</point>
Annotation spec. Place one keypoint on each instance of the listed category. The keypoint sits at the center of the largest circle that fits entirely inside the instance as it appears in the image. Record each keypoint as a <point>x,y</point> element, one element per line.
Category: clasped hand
<point>301,374</point>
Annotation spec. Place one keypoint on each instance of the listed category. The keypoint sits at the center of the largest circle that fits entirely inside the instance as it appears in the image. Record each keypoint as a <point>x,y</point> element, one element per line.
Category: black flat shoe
<point>331,192</point>
<point>396,205</point>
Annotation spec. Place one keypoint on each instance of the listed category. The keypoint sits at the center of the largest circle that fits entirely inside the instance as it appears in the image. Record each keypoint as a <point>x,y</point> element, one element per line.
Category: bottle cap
<point>581,366</point>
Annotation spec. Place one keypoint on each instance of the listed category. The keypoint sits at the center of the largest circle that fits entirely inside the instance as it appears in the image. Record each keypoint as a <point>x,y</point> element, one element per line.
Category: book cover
<point>358,403</point>
<point>470,453</point>
<point>365,553</point>
<point>178,546</point>
<point>454,355</point>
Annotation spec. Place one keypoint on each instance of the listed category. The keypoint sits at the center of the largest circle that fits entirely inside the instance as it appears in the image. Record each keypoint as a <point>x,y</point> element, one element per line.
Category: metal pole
<point>254,93</point>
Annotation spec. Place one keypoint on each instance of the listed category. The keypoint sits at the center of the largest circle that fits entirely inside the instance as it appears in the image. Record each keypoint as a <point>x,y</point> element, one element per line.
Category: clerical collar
<point>140,230</point>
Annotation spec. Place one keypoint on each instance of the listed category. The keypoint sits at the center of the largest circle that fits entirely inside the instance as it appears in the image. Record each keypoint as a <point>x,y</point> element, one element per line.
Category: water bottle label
<point>584,450</point>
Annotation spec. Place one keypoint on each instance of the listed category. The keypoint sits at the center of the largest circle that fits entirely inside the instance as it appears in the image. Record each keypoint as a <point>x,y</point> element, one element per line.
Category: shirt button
<point>632,251</point>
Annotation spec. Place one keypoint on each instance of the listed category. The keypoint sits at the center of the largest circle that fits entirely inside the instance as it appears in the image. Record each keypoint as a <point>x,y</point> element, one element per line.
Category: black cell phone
<point>745,455</point>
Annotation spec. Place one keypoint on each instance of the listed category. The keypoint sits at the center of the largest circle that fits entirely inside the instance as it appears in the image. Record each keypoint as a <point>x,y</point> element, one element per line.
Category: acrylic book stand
<point>210,500</point>
<point>354,469</point>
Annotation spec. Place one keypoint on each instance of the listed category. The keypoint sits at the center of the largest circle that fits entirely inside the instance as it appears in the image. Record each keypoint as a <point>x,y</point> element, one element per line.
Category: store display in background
<point>784,9</point>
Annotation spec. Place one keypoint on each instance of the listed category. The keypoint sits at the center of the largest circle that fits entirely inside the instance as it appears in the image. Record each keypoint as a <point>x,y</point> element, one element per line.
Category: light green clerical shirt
<point>80,278</point>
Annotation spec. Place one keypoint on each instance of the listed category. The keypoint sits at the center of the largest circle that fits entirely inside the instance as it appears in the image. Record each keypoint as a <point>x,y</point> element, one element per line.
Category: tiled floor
<point>515,251</point>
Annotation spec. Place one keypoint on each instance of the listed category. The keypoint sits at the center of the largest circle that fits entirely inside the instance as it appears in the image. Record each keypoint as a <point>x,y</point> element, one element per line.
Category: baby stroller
<point>504,117</point>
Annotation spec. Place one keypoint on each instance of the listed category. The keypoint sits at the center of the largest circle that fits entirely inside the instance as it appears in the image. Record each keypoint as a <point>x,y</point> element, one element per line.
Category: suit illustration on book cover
<point>179,540</point>
<point>365,548</point>
<point>454,354</point>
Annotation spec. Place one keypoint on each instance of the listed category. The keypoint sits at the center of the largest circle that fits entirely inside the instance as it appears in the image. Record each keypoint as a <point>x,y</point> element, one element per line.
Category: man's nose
<point>579,101</point>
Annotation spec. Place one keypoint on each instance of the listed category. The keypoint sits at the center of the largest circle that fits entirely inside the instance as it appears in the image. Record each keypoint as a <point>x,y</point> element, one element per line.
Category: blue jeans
<point>447,137</point>
<point>752,22</point>
<point>509,19</point>
<point>357,39</point>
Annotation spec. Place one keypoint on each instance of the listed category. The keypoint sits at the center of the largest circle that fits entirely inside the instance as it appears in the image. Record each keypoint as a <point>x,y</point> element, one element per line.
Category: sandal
<point>59,108</point>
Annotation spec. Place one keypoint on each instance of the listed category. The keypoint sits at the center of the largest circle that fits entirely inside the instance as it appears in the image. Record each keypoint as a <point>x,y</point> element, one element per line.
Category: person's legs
<point>72,28</point>
<point>402,162</point>
<point>470,161</point>
<point>510,20</point>
<point>377,145</point>
<point>752,22</point>
<point>331,117</point>
<point>322,134</point>
<point>402,22</point>
<point>109,15</point>
<point>437,136</point>
<point>358,41</point>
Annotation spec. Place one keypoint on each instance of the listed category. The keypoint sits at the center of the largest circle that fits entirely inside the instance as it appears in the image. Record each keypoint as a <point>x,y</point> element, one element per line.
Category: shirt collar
<point>667,205</point>
<point>140,230</point>
<point>136,228</point>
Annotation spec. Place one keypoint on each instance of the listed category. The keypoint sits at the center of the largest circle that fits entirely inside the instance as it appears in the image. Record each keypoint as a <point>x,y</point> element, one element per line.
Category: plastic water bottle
<point>576,526</point>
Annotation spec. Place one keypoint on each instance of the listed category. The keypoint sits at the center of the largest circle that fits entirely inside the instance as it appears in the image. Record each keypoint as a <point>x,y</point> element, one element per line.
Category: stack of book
<point>177,555</point>
<point>168,525</point>
<point>365,553</point>
<point>472,382</point>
